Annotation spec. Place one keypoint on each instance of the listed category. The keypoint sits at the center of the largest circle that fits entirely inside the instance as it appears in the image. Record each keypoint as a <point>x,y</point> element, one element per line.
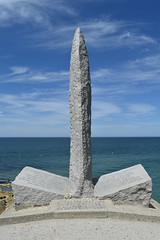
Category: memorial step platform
<point>82,208</point>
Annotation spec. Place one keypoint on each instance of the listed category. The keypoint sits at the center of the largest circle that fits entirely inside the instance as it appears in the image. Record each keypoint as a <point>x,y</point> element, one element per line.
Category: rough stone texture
<point>80,178</point>
<point>80,204</point>
<point>128,186</point>
<point>36,187</point>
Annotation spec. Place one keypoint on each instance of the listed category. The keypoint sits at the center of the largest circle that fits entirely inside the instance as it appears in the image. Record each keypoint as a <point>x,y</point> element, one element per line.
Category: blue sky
<point>123,43</point>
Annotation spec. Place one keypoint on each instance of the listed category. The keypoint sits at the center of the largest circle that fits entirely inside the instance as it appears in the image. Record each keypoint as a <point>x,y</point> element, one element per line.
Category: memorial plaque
<point>131,186</point>
<point>34,186</point>
<point>80,204</point>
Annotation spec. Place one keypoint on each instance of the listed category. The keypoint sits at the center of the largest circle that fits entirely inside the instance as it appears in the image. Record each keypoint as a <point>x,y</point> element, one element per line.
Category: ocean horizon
<point>109,154</point>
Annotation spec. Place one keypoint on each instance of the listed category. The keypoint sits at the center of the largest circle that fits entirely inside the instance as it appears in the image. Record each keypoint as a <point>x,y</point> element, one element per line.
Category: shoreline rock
<point>6,196</point>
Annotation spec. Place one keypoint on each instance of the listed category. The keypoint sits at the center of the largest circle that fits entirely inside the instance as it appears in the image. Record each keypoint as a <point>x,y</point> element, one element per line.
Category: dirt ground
<point>6,197</point>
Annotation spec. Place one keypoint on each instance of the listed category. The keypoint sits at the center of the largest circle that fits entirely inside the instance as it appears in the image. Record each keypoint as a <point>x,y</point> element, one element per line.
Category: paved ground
<point>86,229</point>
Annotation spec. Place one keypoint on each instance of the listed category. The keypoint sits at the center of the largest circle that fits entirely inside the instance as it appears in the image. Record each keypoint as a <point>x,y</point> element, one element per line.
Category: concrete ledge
<point>66,209</point>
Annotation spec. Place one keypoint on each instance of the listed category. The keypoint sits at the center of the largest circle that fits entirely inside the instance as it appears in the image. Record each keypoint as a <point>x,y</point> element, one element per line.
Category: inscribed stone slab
<point>128,186</point>
<point>36,187</point>
<point>80,204</point>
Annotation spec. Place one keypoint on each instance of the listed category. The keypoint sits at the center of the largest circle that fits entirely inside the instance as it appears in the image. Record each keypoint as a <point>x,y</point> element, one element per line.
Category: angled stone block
<point>36,187</point>
<point>128,186</point>
<point>80,177</point>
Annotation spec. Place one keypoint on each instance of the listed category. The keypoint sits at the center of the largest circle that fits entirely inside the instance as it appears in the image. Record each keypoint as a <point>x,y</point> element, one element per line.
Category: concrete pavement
<point>76,229</point>
<point>81,219</point>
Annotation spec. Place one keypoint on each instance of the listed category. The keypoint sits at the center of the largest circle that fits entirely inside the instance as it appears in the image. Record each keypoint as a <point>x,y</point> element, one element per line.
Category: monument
<point>80,175</point>
<point>36,187</point>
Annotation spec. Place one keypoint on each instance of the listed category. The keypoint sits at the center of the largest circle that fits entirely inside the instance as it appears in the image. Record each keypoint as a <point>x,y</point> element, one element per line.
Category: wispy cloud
<point>33,11</point>
<point>104,109</point>
<point>136,129</point>
<point>143,70</point>
<point>101,33</point>
<point>115,34</point>
<point>33,106</point>
<point>43,114</point>
<point>141,108</point>
<point>151,61</point>
<point>20,74</point>
<point>5,56</point>
<point>101,73</point>
<point>140,75</point>
<point>34,114</point>
<point>19,70</point>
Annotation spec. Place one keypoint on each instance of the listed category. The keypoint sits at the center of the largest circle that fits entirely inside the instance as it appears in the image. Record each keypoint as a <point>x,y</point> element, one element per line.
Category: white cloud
<point>19,70</point>
<point>136,129</point>
<point>104,109</point>
<point>112,90</point>
<point>101,74</point>
<point>151,61</point>
<point>35,108</point>
<point>99,33</point>
<point>140,76</point>
<point>50,76</point>
<point>114,34</point>
<point>33,11</point>
<point>141,108</point>
<point>132,39</point>
<point>39,114</point>
<point>143,69</point>
<point>24,74</point>
<point>31,101</point>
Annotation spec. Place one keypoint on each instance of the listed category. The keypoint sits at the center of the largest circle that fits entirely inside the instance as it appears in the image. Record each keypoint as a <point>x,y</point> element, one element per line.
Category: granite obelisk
<point>80,175</point>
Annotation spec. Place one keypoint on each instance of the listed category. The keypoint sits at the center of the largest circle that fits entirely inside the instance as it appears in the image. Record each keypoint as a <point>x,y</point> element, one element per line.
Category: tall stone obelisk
<point>80,176</point>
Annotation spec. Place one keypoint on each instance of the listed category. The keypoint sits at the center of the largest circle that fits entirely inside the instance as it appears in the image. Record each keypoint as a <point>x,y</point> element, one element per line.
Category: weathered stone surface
<point>80,177</point>
<point>128,186</point>
<point>80,204</point>
<point>36,187</point>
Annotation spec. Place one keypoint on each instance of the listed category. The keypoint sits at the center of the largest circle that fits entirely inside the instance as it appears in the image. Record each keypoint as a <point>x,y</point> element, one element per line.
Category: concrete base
<point>83,208</point>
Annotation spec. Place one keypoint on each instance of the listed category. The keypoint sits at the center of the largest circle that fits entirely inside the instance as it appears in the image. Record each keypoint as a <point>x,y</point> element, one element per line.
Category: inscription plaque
<point>80,204</point>
<point>34,186</point>
<point>131,185</point>
<point>31,177</point>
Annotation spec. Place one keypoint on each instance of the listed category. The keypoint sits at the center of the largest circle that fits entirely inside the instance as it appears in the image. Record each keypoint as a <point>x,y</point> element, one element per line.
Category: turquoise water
<point>108,155</point>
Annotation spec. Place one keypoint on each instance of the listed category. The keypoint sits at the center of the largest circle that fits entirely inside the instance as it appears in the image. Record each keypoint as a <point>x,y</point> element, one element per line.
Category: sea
<point>109,154</point>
